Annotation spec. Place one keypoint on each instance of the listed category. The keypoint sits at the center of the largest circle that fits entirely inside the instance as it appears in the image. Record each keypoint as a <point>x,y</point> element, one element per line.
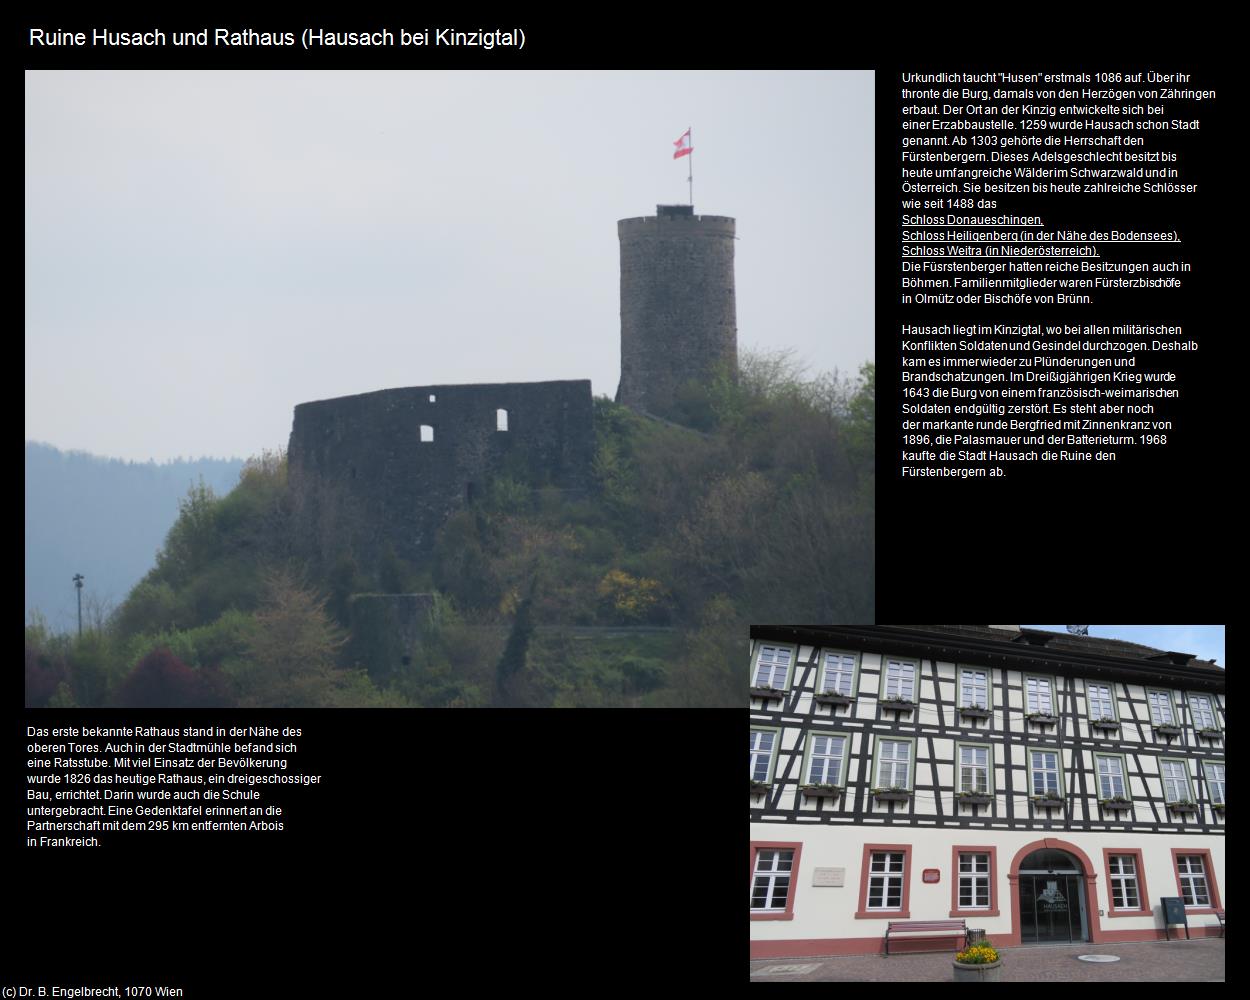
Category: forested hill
<point>101,517</point>
<point>754,505</point>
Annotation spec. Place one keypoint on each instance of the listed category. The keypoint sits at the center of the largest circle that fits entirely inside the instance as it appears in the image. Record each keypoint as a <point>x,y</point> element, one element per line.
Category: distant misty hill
<point>103,518</point>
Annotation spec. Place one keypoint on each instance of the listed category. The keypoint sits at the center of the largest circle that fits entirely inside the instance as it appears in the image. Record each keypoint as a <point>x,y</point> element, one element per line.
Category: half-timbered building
<point>1039,786</point>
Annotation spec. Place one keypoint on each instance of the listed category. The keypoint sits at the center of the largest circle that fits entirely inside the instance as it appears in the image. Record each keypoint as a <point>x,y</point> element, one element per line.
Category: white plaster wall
<point>829,912</point>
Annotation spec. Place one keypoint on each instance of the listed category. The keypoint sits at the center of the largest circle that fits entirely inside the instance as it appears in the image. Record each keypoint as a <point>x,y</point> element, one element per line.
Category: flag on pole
<point>683,145</point>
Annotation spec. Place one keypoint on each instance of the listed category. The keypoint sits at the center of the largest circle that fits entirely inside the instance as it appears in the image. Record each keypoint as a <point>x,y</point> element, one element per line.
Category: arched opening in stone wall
<point>427,433</point>
<point>501,420</point>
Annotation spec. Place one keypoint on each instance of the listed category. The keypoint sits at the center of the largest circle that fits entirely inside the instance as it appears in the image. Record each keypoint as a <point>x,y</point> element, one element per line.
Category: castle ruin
<point>678,316</point>
<point>386,469</point>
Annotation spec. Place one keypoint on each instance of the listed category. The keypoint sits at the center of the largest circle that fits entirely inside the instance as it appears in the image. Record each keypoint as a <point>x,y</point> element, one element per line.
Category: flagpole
<point>690,176</point>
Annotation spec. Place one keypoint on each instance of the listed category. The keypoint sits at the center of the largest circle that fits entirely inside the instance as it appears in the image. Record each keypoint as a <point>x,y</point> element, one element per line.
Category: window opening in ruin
<point>501,420</point>
<point>432,397</point>
<point>427,433</point>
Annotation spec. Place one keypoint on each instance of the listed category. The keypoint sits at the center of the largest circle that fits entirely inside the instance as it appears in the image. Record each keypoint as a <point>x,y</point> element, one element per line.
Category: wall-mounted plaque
<point>829,876</point>
<point>932,875</point>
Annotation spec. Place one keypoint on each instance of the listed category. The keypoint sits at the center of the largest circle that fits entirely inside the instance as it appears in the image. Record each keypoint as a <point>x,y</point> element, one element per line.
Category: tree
<point>512,662</point>
<point>190,542</point>
<point>161,680</point>
<point>292,650</point>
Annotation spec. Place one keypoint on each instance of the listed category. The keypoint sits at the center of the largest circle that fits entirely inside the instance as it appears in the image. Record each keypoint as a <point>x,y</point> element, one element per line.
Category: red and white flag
<point>683,145</point>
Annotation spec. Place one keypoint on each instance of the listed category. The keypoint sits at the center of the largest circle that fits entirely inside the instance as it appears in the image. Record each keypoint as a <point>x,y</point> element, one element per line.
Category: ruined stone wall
<point>362,478</point>
<point>678,318</point>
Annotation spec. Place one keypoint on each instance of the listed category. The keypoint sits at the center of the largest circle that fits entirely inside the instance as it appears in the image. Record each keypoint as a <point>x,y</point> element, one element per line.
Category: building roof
<point>1032,649</point>
<point>1070,642</point>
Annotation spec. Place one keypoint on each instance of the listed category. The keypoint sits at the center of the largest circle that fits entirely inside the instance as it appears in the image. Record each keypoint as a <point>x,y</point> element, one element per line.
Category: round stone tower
<point>678,321</point>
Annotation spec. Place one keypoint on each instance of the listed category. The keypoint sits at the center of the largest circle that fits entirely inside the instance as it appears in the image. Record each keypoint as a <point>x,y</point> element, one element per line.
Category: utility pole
<point>78,579</point>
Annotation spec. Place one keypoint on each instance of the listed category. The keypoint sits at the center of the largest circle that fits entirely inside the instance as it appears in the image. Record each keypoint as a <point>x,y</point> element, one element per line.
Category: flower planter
<point>1168,730</point>
<point>758,787</point>
<point>975,799</point>
<point>975,713</point>
<point>833,699</point>
<point>1210,734</point>
<point>898,706</point>
<point>819,792</point>
<point>1109,726</point>
<point>1183,807</point>
<point>892,796</point>
<point>1042,719</point>
<point>984,973</point>
<point>1118,806</point>
<point>1048,803</point>
<point>766,692</point>
<point>1219,808</point>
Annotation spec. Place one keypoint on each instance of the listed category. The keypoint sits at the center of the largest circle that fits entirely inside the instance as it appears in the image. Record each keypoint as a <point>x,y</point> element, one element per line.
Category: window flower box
<point>1183,806</point>
<point>767,692</point>
<point>898,704</point>
<point>892,794</point>
<point>1117,803</point>
<point>1209,733</point>
<point>975,712</point>
<point>1047,801</point>
<point>832,698</point>
<point>759,786</point>
<point>1108,725</point>
<point>1042,718</point>
<point>1168,730</point>
<point>821,791</point>
<point>974,798</point>
<point>1218,807</point>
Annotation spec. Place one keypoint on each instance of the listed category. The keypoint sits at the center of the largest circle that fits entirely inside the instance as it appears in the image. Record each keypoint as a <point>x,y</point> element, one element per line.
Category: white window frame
<point>1214,783</point>
<point>968,691</point>
<point>1107,789</point>
<point>1034,687</point>
<point>769,755</point>
<point>773,875</point>
<point>1156,698</point>
<point>1209,710</point>
<point>883,878</point>
<point>1190,879</point>
<point>1110,700</point>
<point>757,681</point>
<point>1034,770</point>
<point>1171,791</point>
<point>842,671</point>
<point>838,739</point>
<point>907,760</point>
<point>976,878</point>
<point>1122,880</point>
<point>987,768</point>
<point>903,681</point>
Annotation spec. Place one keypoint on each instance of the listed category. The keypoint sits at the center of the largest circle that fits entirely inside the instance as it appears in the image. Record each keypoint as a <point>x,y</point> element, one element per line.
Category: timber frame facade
<point>1013,737</point>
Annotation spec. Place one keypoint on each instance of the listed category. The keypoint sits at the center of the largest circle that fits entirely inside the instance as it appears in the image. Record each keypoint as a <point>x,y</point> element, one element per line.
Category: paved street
<point>1200,960</point>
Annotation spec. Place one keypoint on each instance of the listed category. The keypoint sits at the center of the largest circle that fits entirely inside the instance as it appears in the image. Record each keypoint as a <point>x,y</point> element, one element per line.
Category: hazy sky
<point>206,250</point>
<point>1205,641</point>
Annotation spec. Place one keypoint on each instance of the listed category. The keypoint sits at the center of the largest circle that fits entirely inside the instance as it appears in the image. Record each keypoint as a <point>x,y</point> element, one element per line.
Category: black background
<point>1121,535</point>
<point>604,847</point>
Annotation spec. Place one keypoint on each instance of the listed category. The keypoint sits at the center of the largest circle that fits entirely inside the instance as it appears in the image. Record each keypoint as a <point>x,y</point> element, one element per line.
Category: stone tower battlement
<point>388,468</point>
<point>678,314</point>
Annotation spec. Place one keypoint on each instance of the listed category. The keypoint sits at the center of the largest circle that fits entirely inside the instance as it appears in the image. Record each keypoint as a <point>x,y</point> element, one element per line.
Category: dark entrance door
<point>1050,908</point>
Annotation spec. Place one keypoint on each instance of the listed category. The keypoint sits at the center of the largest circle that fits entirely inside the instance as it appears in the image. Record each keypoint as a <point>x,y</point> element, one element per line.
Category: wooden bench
<point>929,927</point>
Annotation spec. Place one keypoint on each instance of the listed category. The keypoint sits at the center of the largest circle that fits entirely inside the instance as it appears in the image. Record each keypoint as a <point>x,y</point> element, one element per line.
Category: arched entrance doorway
<point>1052,905</point>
